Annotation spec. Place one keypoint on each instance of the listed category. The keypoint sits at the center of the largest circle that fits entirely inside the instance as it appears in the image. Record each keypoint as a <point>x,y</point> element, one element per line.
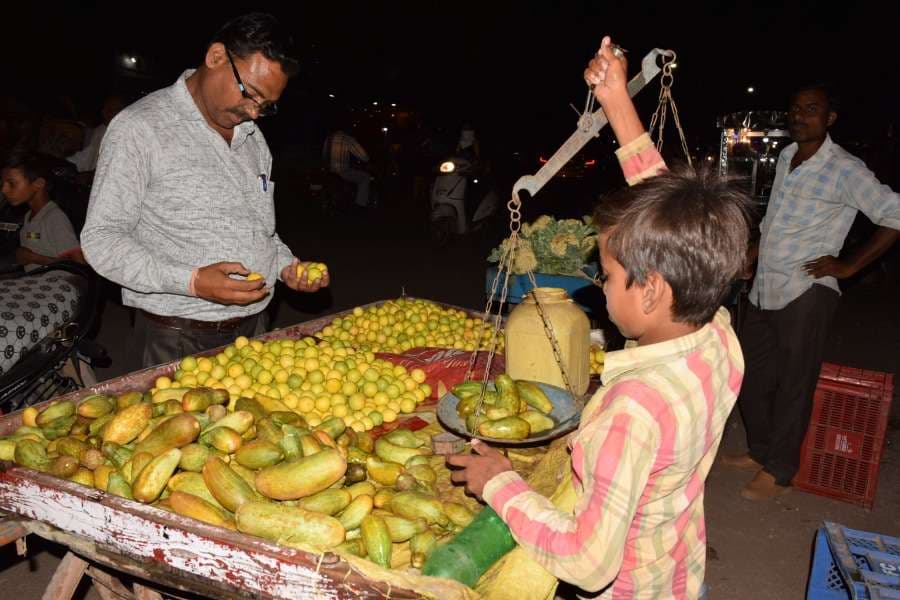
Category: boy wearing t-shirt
<point>47,235</point>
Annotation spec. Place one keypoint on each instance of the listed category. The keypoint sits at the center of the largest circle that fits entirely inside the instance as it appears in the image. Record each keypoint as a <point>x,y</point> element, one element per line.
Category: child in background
<point>47,235</point>
<point>670,247</point>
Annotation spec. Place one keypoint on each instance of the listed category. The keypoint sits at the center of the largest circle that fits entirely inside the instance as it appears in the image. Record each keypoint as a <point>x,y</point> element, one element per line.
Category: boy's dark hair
<point>834,102</point>
<point>259,32</point>
<point>690,227</point>
<point>37,165</point>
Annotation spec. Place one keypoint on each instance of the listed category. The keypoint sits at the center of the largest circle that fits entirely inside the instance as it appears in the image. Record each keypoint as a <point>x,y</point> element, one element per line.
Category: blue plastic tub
<point>871,568</point>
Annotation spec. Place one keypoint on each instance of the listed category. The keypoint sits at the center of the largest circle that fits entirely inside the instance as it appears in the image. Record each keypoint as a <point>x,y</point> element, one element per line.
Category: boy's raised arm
<point>608,73</point>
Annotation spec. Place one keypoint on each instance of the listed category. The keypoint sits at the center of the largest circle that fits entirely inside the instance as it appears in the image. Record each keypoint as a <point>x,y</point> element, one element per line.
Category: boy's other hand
<point>478,468</point>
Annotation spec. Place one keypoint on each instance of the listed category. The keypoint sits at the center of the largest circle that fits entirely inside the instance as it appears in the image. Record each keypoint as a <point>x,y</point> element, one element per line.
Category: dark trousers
<point>782,355</point>
<point>155,343</point>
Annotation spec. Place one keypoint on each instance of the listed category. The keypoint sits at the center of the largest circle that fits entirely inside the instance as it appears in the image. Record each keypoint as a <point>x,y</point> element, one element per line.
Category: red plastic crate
<point>842,450</point>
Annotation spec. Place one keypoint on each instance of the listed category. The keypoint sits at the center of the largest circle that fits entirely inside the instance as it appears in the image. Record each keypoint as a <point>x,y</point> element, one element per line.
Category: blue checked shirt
<point>810,212</point>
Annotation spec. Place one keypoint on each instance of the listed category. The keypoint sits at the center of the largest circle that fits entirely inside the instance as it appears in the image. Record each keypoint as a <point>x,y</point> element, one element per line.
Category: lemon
<point>189,380</point>
<point>323,403</point>
<point>236,370</point>
<point>370,389</point>
<point>202,377</point>
<point>162,383</point>
<point>290,400</point>
<point>294,381</point>
<point>392,391</point>
<point>418,375</point>
<point>340,411</point>
<point>389,415</point>
<point>376,417</point>
<point>357,401</point>
<point>204,365</point>
<point>306,404</point>
<point>281,376</point>
<point>357,427</point>
<point>348,388</point>
<point>264,377</point>
<point>314,421</point>
<point>254,276</point>
<point>381,399</point>
<point>407,405</point>
<point>218,372</point>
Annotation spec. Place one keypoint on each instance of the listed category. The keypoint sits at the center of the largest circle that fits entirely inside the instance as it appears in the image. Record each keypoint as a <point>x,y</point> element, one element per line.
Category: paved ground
<point>756,550</point>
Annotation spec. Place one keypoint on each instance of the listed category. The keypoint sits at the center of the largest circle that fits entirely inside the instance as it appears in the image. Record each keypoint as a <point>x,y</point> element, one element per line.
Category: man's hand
<point>214,284</point>
<point>301,284</point>
<point>608,72</point>
<point>828,265</point>
<point>478,469</point>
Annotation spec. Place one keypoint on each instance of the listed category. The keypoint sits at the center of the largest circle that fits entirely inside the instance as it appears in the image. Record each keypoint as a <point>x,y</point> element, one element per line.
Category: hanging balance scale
<point>567,404</point>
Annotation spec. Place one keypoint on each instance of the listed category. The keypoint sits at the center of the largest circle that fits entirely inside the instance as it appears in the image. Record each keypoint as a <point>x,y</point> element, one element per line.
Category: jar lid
<point>547,294</point>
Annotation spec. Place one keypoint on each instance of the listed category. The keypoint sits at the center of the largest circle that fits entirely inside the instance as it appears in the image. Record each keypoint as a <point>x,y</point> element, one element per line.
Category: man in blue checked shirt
<point>818,189</point>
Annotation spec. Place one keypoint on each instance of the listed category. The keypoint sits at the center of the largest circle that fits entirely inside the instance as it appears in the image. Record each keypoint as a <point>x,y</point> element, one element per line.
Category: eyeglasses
<point>265,108</point>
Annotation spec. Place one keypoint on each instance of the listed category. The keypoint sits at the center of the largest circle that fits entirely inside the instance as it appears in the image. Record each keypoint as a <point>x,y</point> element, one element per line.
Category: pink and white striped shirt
<point>640,456</point>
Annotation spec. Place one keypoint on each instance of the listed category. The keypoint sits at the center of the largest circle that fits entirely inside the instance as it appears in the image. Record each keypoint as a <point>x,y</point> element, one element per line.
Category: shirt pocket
<point>804,209</point>
<point>261,204</point>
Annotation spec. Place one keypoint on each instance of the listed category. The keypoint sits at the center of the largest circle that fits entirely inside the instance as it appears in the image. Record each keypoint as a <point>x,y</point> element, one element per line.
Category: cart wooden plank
<point>169,549</point>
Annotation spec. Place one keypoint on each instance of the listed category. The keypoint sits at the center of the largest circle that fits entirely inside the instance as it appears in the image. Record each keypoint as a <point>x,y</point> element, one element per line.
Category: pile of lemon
<point>598,358</point>
<point>315,381</point>
<point>398,325</point>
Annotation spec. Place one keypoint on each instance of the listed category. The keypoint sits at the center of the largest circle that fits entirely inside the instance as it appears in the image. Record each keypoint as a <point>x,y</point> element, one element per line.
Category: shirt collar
<point>624,361</point>
<point>186,106</point>
<point>821,154</point>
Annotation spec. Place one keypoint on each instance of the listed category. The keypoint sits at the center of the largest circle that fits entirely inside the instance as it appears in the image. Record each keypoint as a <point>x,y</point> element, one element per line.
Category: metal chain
<point>504,269</point>
<point>667,80</point>
<point>551,336</point>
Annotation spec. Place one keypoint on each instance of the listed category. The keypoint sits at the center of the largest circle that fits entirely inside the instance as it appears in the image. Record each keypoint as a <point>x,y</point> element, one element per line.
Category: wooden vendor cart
<point>107,535</point>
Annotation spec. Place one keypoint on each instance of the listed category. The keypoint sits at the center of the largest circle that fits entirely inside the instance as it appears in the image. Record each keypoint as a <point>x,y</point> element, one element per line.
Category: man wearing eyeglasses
<point>181,209</point>
<point>819,187</point>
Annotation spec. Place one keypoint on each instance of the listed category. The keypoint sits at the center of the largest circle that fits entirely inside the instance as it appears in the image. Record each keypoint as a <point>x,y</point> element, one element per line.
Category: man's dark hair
<point>690,227</point>
<point>834,102</point>
<point>259,32</point>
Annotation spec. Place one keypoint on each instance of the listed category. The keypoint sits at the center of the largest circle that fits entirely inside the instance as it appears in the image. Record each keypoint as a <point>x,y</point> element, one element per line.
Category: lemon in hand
<point>314,270</point>
<point>254,276</point>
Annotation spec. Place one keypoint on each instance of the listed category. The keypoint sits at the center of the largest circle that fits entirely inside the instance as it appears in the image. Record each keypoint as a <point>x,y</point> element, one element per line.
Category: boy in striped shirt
<point>670,247</point>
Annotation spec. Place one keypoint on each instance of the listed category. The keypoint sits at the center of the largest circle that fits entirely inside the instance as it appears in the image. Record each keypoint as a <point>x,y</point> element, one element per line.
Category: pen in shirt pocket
<point>264,182</point>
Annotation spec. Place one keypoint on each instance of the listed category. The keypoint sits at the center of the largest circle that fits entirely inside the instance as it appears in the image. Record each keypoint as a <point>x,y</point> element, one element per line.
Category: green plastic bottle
<point>466,557</point>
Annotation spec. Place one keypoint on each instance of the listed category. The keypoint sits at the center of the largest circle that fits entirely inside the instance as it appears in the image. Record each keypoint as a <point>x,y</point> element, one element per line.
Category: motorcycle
<point>462,200</point>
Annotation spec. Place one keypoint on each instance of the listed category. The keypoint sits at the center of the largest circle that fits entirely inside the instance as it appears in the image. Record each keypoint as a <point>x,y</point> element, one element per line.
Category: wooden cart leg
<point>66,578</point>
<point>144,593</point>
<point>108,587</point>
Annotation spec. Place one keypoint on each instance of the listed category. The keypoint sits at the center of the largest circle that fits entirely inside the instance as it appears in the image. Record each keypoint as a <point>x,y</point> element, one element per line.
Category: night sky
<point>513,68</point>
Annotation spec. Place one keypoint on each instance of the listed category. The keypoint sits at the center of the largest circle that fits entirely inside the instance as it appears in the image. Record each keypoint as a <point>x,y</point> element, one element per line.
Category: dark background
<point>510,67</point>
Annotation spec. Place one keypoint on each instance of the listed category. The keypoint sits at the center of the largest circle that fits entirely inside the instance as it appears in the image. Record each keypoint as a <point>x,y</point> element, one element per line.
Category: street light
<point>751,89</point>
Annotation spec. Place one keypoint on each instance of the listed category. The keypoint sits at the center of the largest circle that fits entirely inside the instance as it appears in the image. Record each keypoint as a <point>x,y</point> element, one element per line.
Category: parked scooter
<point>462,200</point>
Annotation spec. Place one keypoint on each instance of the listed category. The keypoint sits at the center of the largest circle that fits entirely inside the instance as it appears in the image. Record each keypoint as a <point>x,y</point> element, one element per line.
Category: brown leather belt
<point>182,323</point>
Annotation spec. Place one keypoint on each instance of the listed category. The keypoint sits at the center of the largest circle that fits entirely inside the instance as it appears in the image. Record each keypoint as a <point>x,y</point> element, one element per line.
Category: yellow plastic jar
<point>529,354</point>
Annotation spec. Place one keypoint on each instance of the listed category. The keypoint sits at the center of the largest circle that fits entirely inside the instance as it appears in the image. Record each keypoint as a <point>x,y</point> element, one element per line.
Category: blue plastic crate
<point>588,296</point>
<point>870,561</point>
